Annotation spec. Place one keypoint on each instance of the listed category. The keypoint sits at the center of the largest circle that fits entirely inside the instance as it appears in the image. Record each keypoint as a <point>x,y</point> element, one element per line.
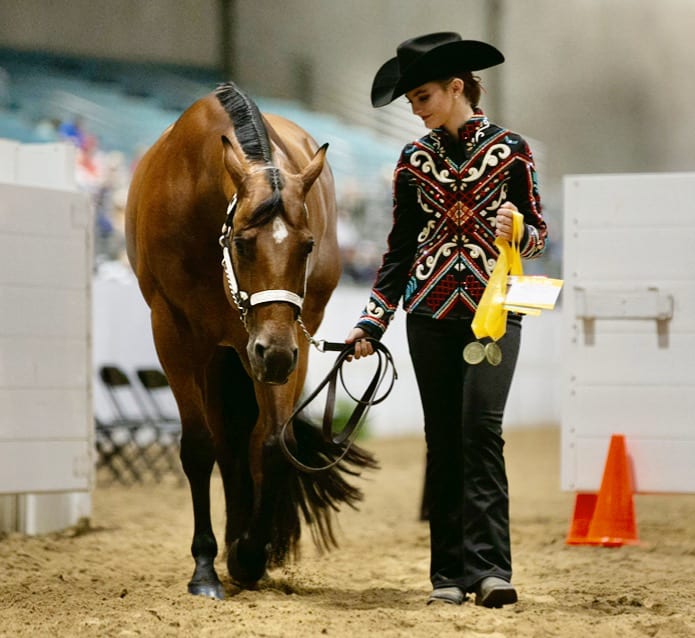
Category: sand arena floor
<point>126,574</point>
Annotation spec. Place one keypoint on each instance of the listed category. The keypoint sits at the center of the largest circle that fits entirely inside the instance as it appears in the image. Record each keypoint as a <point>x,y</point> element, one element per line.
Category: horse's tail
<point>318,495</point>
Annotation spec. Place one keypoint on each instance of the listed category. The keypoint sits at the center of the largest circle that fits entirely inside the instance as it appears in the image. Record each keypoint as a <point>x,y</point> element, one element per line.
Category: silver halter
<point>243,300</point>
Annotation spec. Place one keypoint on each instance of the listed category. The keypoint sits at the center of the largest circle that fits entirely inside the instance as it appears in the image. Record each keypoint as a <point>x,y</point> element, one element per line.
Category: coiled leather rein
<point>346,437</point>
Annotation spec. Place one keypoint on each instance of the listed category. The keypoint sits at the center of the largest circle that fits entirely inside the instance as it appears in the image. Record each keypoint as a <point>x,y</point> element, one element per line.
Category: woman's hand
<point>504,220</point>
<point>363,348</point>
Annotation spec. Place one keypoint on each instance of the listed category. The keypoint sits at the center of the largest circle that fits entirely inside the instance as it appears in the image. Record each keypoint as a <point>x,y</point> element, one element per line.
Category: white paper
<point>534,291</point>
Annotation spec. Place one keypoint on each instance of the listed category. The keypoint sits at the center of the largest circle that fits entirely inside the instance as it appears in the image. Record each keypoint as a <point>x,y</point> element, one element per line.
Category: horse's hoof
<point>215,591</point>
<point>245,576</point>
<point>204,581</point>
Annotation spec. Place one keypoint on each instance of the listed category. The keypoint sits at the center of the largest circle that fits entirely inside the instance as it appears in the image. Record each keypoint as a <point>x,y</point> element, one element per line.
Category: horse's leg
<point>232,414</point>
<point>270,527</point>
<point>183,361</point>
<point>248,548</point>
<point>198,458</point>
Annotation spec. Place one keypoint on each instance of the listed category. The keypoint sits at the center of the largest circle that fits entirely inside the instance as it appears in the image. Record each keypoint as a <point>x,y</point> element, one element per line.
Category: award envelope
<point>531,294</point>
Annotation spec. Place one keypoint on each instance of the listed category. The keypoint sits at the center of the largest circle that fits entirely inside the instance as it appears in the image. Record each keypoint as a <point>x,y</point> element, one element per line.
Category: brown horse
<point>231,319</point>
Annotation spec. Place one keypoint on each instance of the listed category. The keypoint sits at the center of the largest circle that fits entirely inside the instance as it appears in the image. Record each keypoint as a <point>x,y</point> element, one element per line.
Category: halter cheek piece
<point>243,300</point>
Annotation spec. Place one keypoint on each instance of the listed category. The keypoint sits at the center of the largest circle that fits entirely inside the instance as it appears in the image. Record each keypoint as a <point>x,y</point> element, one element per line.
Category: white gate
<point>629,328</point>
<point>46,422</point>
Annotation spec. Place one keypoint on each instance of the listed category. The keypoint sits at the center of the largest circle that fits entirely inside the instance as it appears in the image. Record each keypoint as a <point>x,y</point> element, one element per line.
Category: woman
<point>455,190</point>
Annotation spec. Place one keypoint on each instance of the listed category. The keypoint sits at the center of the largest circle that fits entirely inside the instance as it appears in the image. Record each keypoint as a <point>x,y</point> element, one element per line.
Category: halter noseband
<point>243,300</point>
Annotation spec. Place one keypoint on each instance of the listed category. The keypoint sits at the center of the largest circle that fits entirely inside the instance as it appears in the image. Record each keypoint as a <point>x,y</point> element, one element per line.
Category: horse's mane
<point>252,136</point>
<point>249,128</point>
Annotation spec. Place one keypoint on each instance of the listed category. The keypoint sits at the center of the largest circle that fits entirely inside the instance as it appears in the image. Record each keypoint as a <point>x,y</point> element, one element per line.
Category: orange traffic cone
<point>610,514</point>
<point>584,506</point>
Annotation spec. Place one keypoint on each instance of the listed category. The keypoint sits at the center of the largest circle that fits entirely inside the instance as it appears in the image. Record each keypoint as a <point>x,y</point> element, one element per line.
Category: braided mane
<point>248,124</point>
<point>252,136</point>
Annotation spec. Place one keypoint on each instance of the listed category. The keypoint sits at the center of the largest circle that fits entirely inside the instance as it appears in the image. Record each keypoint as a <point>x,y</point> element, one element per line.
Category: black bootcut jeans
<point>466,479</point>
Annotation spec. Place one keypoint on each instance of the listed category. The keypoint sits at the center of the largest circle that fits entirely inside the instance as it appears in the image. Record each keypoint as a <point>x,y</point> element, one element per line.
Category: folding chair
<point>112,442</point>
<point>122,442</point>
<point>166,422</point>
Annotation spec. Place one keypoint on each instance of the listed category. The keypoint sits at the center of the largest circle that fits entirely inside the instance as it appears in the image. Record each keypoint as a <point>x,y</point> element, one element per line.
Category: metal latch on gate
<point>645,303</point>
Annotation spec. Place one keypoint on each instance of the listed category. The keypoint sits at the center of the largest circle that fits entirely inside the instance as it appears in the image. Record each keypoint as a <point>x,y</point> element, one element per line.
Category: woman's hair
<point>471,86</point>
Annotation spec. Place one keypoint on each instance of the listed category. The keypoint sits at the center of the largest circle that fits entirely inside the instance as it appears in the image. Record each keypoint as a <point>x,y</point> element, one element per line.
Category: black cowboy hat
<point>430,57</point>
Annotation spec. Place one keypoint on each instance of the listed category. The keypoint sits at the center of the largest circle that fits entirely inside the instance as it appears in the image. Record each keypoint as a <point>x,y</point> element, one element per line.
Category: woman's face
<point>434,103</point>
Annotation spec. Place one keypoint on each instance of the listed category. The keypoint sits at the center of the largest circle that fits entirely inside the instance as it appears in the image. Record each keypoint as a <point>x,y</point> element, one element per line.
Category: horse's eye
<point>243,246</point>
<point>309,246</point>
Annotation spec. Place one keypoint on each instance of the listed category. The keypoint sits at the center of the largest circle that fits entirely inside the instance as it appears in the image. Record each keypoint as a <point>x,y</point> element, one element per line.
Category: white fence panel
<point>46,416</point>
<point>629,328</point>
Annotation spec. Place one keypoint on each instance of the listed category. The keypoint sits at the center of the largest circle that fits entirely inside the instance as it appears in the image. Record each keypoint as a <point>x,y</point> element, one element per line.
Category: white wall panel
<point>46,166</point>
<point>33,211</point>
<point>588,407</point>
<point>634,254</point>
<point>658,464</point>
<point>25,364</point>
<point>45,466</point>
<point>629,328</point>
<point>603,207</point>
<point>43,261</point>
<point>42,312</point>
<point>8,155</point>
<point>631,359</point>
<point>43,415</point>
<point>46,416</point>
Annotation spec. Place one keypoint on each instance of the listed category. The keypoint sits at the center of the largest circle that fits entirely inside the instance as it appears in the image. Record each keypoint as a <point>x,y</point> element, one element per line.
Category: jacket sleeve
<point>523,192</point>
<point>392,276</point>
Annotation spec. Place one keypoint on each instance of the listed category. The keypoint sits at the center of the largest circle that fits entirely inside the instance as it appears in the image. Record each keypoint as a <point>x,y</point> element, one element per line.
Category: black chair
<point>123,441</point>
<point>165,418</point>
<point>113,442</point>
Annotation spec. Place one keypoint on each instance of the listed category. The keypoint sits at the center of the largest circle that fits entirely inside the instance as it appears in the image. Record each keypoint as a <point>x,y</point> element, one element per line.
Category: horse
<point>231,232</point>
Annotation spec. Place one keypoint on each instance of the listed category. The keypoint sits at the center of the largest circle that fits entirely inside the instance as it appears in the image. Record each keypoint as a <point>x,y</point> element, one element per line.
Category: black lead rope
<point>346,437</point>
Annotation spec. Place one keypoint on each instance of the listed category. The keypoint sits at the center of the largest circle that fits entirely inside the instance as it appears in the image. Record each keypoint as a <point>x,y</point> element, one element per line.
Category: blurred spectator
<point>104,177</point>
<point>117,180</point>
<point>47,130</point>
<point>360,256</point>
<point>73,131</point>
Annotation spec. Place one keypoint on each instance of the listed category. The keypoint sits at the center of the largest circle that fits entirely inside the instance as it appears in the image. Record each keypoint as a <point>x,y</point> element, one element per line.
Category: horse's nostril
<point>260,350</point>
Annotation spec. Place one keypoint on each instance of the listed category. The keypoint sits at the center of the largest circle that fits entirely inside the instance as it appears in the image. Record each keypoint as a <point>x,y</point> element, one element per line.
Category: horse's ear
<point>234,160</point>
<point>314,168</point>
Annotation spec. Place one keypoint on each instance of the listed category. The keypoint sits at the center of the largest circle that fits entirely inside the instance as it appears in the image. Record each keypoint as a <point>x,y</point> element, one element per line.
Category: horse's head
<point>269,242</point>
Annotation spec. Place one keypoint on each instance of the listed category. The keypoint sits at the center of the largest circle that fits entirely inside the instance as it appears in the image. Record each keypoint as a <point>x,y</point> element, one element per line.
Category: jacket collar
<point>469,135</point>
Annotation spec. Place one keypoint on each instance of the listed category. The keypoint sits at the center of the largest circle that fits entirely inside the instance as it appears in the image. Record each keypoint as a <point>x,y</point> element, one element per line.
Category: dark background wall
<point>598,85</point>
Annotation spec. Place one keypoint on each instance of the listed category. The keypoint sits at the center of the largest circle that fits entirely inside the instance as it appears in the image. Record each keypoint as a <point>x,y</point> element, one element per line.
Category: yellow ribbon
<point>490,318</point>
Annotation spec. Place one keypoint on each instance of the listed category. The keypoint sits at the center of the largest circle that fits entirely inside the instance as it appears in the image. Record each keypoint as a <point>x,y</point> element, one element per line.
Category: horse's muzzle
<point>272,363</point>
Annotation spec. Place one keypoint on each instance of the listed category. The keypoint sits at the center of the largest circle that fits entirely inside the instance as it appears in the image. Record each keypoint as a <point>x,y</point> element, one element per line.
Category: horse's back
<point>175,189</point>
<point>136,185</point>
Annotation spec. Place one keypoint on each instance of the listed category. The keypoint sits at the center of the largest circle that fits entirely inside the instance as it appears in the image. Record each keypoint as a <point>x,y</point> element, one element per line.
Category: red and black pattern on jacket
<point>441,248</point>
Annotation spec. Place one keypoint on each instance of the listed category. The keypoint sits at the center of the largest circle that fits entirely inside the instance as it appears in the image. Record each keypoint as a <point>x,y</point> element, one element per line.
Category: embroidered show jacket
<point>441,248</point>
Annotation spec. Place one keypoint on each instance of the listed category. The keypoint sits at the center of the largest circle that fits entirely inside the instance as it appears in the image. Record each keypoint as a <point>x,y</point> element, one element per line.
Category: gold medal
<point>474,353</point>
<point>493,353</point>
